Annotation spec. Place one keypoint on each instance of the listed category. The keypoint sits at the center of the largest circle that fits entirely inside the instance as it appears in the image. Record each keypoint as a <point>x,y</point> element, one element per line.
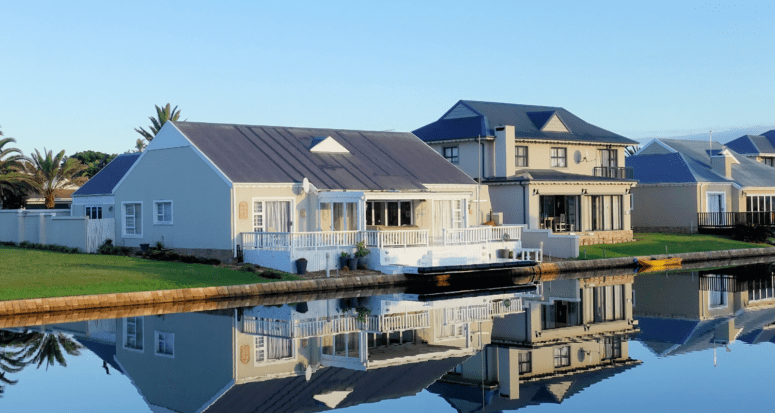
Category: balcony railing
<point>730,219</point>
<point>284,241</point>
<point>614,172</point>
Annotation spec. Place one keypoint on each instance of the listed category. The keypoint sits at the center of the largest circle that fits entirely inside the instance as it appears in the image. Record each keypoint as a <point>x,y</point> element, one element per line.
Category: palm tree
<point>47,347</point>
<point>10,165</point>
<point>47,173</point>
<point>163,114</point>
<point>631,150</point>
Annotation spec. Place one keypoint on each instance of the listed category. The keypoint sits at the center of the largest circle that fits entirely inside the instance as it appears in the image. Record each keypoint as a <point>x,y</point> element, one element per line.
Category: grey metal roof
<point>270,154</point>
<point>552,175</point>
<point>106,179</point>
<point>527,120</point>
<point>691,163</point>
<point>753,144</point>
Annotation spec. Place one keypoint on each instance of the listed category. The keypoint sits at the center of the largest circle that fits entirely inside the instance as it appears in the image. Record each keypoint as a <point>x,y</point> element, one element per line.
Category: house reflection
<point>699,310</point>
<point>573,334</point>
<point>309,356</point>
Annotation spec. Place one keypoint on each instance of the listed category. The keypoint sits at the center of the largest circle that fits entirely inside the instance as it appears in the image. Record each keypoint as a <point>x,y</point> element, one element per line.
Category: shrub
<point>189,259</point>
<point>272,274</point>
<point>248,268</point>
<point>212,261</point>
<point>171,256</point>
<point>752,233</point>
<point>139,253</point>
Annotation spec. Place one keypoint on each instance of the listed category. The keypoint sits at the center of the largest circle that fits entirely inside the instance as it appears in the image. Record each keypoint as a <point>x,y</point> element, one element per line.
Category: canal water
<point>694,340</point>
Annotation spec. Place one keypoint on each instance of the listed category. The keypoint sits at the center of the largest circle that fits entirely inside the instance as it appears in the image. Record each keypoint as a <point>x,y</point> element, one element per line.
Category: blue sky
<point>82,75</point>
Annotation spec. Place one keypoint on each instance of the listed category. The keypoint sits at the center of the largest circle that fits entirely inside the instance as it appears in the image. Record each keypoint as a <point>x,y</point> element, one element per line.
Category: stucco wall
<point>665,206</point>
<point>201,209</point>
<point>581,159</point>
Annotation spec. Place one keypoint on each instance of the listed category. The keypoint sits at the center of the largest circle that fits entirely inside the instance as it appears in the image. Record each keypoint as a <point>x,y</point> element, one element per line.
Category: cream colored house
<point>686,186</point>
<point>543,166</point>
<point>278,194</point>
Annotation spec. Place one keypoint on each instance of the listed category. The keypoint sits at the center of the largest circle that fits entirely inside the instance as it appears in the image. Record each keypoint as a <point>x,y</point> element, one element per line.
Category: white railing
<point>264,327</point>
<point>481,235</point>
<point>499,308</point>
<point>401,238</point>
<point>408,321</point>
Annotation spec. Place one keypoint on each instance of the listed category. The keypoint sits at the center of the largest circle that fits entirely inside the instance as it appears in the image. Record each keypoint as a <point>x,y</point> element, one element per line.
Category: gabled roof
<point>754,144</point>
<point>469,119</point>
<point>687,161</point>
<point>104,183</point>
<point>552,175</point>
<point>270,154</point>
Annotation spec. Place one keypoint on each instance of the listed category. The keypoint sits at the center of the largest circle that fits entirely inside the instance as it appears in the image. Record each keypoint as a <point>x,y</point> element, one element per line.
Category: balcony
<point>614,172</point>
<point>707,220</point>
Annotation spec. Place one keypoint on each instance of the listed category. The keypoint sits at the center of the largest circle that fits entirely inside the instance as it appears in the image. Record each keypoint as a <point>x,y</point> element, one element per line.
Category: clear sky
<point>82,75</point>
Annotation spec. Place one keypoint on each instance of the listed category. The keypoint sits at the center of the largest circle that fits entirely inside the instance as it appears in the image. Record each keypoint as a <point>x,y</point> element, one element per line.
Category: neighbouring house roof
<point>470,119</point>
<point>686,161</point>
<point>551,175</point>
<point>753,145</point>
<point>270,154</point>
<point>108,177</point>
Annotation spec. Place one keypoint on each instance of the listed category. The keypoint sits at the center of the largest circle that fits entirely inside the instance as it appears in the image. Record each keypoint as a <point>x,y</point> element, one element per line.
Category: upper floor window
<point>451,154</point>
<point>559,157</point>
<point>525,362</point>
<point>613,347</point>
<point>520,154</point>
<point>94,212</point>
<point>768,160</point>
<point>608,158</point>
<point>562,356</point>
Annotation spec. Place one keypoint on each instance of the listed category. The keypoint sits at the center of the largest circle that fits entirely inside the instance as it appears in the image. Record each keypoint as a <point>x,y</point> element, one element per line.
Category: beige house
<point>543,166</point>
<point>690,186</point>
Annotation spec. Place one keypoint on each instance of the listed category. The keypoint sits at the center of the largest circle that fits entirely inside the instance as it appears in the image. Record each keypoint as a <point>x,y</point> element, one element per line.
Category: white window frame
<point>156,220</point>
<point>385,204</point>
<point>263,347</point>
<point>124,216</point>
<point>555,160</point>
<point>292,213</point>
<point>168,338</point>
<point>723,199</point>
<point>93,208</point>
<point>126,333</point>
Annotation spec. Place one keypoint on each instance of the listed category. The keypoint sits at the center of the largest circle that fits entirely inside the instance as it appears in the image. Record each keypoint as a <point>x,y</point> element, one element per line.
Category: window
<point>258,216</point>
<point>608,303</point>
<point>94,212</point>
<point>613,347</point>
<point>562,356</point>
<point>165,344</point>
<point>272,216</point>
<point>133,333</point>
<point>520,153</point>
<point>525,362</point>
<point>759,208</point>
<point>451,154</point>
<point>389,213</point>
<point>717,293</point>
<point>269,349</point>
<point>559,158</point>
<point>133,220</point>
<point>606,212</point>
<point>608,158</point>
<point>162,212</point>
<point>761,289</point>
<point>768,160</point>
<point>560,314</point>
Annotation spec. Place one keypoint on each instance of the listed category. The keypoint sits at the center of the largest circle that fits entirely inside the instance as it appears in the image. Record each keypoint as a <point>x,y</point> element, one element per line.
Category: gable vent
<point>327,145</point>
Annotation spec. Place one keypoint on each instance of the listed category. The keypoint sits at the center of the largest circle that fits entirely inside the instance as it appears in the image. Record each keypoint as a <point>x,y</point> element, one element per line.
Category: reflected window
<point>525,362</point>
<point>761,289</point>
<point>165,344</point>
<point>268,349</point>
<point>560,314</point>
<point>613,347</point>
<point>608,303</point>
<point>133,333</point>
<point>562,356</point>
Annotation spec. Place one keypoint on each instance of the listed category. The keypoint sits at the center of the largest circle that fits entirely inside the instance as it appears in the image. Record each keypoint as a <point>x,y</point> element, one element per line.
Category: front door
<point>716,202</point>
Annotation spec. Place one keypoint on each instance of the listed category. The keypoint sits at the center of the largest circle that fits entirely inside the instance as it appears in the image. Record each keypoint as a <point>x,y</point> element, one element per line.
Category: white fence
<point>97,231</point>
<point>285,241</point>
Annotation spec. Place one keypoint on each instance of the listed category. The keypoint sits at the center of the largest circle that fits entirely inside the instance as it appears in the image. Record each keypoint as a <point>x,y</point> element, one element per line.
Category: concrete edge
<point>547,269</point>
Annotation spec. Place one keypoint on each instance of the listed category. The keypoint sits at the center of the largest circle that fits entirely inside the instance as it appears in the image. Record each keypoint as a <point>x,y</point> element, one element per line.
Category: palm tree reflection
<point>32,347</point>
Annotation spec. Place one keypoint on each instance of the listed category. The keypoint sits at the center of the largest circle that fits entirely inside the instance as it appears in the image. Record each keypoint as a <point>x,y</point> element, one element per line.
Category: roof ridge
<point>292,127</point>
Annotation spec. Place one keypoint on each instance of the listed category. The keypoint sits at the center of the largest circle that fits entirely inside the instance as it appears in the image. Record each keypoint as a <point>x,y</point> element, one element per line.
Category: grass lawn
<point>28,273</point>
<point>653,244</point>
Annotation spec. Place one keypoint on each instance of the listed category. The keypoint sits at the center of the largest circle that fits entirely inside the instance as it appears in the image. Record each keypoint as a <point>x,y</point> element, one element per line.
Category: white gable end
<point>329,145</point>
<point>554,125</point>
<point>168,137</point>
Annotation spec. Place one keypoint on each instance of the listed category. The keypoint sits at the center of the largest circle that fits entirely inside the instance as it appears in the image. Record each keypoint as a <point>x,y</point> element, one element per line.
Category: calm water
<point>700,340</point>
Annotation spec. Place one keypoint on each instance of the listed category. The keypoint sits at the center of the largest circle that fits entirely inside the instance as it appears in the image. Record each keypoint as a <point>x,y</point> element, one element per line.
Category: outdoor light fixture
<point>583,191</point>
<point>535,192</point>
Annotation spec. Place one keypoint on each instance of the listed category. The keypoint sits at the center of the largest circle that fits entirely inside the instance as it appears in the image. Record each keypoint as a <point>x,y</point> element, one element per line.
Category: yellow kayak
<point>667,262</point>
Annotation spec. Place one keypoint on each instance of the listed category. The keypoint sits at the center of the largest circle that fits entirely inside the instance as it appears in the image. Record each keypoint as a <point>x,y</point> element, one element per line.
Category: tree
<point>94,161</point>
<point>631,150</point>
<point>48,173</point>
<point>10,166</point>
<point>163,114</point>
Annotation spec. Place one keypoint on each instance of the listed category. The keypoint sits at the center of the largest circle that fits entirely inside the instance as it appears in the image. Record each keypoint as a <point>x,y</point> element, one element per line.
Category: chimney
<point>504,151</point>
<point>721,163</point>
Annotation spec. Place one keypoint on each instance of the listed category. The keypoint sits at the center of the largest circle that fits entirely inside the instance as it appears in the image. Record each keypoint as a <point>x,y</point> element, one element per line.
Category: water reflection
<point>494,350</point>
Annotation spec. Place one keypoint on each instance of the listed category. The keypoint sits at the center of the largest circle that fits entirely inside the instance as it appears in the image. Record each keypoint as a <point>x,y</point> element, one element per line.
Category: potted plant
<point>301,266</point>
<point>361,254</point>
<point>343,260</point>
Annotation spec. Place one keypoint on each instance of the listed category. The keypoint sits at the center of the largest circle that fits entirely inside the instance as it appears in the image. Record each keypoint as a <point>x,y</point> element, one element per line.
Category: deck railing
<point>730,219</point>
<point>614,172</point>
<point>284,241</point>
<point>481,235</point>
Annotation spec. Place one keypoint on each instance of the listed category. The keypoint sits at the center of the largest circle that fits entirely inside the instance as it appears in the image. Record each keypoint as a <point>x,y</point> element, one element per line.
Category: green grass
<point>37,274</point>
<point>653,244</point>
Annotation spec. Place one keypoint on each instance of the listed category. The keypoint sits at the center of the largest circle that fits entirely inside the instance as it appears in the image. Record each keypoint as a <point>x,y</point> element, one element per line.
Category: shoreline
<point>541,272</point>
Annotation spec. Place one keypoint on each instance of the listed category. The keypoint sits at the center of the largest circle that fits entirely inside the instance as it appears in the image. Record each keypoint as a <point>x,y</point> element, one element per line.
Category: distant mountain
<point>722,135</point>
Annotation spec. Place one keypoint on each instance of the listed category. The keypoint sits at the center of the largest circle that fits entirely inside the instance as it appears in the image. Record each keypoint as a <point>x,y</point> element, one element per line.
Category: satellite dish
<point>505,237</point>
<point>305,185</point>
